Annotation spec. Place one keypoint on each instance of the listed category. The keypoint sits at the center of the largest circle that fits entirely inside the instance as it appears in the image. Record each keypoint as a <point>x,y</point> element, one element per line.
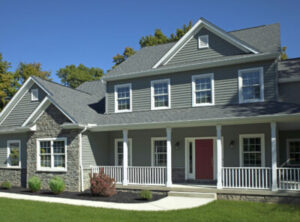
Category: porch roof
<point>208,115</point>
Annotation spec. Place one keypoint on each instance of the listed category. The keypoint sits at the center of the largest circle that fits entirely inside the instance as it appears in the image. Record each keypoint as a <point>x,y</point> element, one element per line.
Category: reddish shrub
<point>102,184</point>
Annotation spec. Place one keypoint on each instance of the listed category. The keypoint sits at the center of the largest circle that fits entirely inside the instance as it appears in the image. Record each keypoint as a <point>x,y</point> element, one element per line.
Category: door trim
<point>186,159</point>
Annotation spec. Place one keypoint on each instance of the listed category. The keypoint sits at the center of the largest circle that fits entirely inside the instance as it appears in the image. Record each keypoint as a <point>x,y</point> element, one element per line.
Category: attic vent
<point>203,41</point>
<point>34,95</point>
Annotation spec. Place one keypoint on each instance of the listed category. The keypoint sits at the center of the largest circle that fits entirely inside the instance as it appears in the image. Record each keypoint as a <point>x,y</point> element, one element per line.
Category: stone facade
<point>14,176</point>
<point>48,126</point>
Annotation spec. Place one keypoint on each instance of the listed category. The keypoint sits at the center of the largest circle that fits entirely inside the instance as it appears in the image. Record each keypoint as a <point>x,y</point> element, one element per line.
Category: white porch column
<point>219,156</point>
<point>169,158</point>
<point>274,155</point>
<point>125,157</point>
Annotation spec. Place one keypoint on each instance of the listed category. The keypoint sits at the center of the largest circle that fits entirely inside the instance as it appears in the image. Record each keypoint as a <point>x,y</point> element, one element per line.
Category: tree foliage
<point>283,54</point>
<point>150,40</point>
<point>73,76</point>
<point>25,70</point>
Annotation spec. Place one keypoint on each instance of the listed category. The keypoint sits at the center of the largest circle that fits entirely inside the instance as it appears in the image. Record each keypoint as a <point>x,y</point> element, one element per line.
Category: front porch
<point>214,157</point>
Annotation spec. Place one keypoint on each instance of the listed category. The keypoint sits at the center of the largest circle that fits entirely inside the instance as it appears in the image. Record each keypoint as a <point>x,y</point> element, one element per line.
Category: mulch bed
<point>119,197</point>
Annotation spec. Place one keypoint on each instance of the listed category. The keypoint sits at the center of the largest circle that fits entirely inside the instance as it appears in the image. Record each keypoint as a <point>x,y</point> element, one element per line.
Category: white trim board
<point>196,28</point>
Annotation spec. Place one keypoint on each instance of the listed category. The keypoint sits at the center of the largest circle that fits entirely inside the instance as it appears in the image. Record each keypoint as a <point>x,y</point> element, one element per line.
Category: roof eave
<point>202,65</point>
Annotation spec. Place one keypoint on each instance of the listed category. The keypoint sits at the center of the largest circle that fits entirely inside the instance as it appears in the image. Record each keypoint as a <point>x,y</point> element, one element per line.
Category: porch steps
<point>192,194</point>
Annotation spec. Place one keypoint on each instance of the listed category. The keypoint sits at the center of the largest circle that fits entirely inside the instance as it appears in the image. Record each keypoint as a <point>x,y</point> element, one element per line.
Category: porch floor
<point>211,189</point>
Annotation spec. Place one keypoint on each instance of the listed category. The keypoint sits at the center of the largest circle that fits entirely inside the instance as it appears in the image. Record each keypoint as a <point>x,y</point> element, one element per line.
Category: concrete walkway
<point>167,203</point>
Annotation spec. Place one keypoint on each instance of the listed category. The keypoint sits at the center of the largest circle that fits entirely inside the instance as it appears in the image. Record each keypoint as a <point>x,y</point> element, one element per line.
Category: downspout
<point>80,159</point>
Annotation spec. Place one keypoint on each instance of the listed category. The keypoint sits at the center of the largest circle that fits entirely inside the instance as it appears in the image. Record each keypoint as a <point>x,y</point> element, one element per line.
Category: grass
<point>21,210</point>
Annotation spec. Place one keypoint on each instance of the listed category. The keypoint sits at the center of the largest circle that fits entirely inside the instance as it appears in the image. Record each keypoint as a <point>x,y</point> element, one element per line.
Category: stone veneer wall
<point>48,126</point>
<point>11,175</point>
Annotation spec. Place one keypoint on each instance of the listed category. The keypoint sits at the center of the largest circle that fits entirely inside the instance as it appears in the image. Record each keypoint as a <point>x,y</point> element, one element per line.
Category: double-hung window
<point>14,153</point>
<point>52,154</point>
<point>251,85</point>
<point>252,150</point>
<point>119,152</point>
<point>294,152</point>
<point>203,89</point>
<point>123,98</point>
<point>159,152</point>
<point>160,94</point>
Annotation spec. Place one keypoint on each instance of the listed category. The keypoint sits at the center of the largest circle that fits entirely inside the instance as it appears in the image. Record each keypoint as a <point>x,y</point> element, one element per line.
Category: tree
<point>118,59</point>
<point>74,76</point>
<point>283,54</point>
<point>8,83</point>
<point>25,70</point>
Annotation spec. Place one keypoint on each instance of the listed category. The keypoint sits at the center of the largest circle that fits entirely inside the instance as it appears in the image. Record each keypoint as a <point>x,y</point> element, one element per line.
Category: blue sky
<point>63,32</point>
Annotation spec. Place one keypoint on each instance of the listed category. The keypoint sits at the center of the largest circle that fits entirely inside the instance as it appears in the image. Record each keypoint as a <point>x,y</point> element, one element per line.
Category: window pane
<point>161,101</point>
<point>203,97</point>
<point>123,92</point>
<point>161,88</point>
<point>45,147</point>
<point>251,85</point>
<point>123,104</point>
<point>191,157</point>
<point>59,146</point>
<point>59,160</point>
<point>160,153</point>
<point>251,92</point>
<point>123,98</point>
<point>46,161</point>
<point>294,151</point>
<point>203,83</point>
<point>14,155</point>
<point>161,95</point>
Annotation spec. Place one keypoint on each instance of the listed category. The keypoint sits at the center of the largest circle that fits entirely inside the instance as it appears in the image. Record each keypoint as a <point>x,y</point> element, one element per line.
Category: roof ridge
<point>253,27</point>
<point>36,77</point>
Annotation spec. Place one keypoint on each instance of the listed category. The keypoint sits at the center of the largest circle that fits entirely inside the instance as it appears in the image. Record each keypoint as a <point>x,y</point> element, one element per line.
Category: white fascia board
<point>198,25</point>
<point>206,122</point>
<point>195,66</point>
<point>10,130</point>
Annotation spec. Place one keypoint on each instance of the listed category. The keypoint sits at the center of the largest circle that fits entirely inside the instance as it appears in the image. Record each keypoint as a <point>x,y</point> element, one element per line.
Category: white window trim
<point>194,77</point>
<point>52,168</point>
<point>33,92</point>
<point>262,137</point>
<point>152,94</point>
<point>240,80</point>
<point>116,97</point>
<point>199,42</point>
<point>129,150</point>
<point>288,149</point>
<point>153,139</point>
<point>8,153</point>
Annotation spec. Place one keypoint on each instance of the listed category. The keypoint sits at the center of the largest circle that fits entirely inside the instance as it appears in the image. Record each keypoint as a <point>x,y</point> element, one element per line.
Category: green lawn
<point>20,210</point>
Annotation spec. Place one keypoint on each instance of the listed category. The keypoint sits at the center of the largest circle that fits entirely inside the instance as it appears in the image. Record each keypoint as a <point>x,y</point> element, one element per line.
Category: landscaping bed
<point>119,197</point>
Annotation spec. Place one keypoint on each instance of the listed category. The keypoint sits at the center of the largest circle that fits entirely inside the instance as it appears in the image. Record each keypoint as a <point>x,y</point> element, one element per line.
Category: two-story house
<point>215,107</point>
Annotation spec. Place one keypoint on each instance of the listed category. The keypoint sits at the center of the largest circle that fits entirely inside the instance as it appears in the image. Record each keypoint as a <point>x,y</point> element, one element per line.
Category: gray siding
<point>3,148</point>
<point>289,92</point>
<point>218,47</point>
<point>226,86</point>
<point>94,149</point>
<point>23,109</point>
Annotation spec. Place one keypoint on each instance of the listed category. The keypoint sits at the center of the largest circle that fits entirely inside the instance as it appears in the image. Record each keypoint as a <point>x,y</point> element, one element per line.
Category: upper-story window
<point>123,98</point>
<point>251,85</point>
<point>203,41</point>
<point>34,95</point>
<point>203,89</point>
<point>160,94</point>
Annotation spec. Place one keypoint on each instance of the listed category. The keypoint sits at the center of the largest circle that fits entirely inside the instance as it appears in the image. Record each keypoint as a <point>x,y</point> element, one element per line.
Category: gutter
<point>80,159</point>
<point>202,65</point>
<point>18,129</point>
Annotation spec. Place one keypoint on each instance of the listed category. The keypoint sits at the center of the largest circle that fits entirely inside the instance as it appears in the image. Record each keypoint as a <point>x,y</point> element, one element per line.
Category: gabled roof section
<point>201,23</point>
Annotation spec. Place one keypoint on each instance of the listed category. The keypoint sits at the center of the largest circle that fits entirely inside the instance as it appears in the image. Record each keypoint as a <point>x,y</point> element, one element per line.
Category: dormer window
<point>34,95</point>
<point>123,98</point>
<point>203,41</point>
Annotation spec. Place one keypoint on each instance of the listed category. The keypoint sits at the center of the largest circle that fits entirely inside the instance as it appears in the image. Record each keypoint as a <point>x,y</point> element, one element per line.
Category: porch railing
<point>288,178</point>
<point>115,172</point>
<point>247,177</point>
<point>147,175</point>
<point>136,175</point>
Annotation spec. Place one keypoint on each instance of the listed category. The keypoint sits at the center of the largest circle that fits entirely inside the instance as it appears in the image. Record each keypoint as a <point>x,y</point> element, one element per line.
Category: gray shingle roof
<point>264,38</point>
<point>81,106</point>
<point>289,69</point>
<point>200,113</point>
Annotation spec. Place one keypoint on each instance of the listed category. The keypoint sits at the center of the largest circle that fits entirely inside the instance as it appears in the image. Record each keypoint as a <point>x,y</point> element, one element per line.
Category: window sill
<point>203,104</point>
<point>52,170</point>
<point>123,111</point>
<point>160,108</point>
<point>252,101</point>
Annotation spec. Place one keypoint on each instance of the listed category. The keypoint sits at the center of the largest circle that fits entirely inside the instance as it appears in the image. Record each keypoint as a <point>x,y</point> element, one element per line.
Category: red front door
<point>204,159</point>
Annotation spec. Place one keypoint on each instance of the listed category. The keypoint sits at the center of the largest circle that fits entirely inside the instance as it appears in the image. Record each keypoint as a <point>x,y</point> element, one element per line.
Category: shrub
<point>6,185</point>
<point>102,184</point>
<point>57,185</point>
<point>34,184</point>
<point>146,194</point>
